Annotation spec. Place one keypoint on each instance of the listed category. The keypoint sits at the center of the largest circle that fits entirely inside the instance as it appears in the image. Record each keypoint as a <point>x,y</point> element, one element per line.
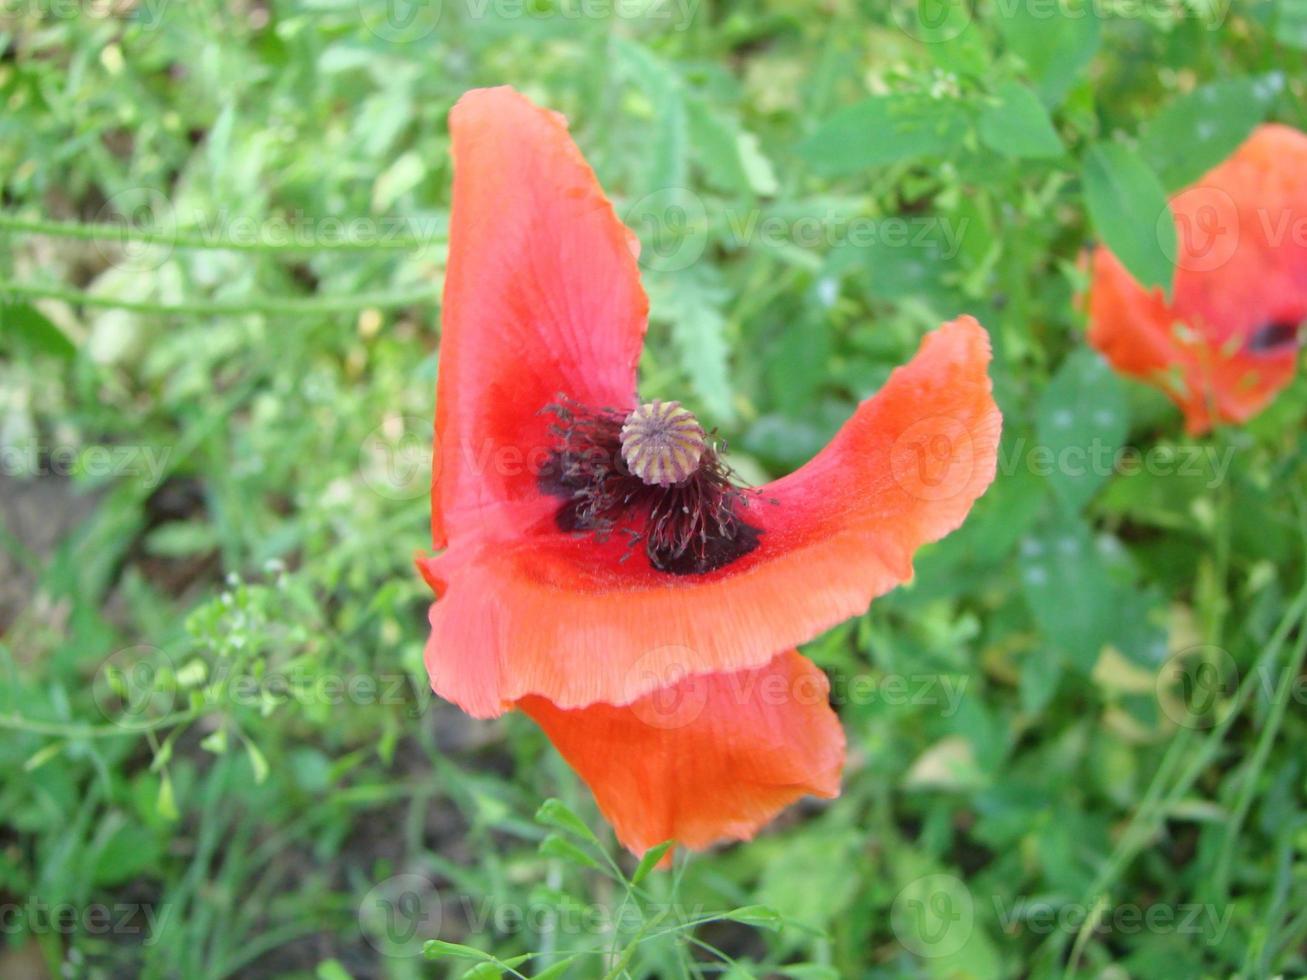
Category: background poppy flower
<point>1228,339</point>
<point>601,570</point>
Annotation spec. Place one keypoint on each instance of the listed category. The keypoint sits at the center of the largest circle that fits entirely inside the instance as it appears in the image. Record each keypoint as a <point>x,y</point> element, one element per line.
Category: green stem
<point>306,306</point>
<point>35,726</point>
<point>264,239</point>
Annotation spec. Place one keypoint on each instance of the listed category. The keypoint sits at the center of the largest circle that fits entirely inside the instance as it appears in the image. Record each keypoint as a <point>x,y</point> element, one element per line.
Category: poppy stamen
<point>655,476</point>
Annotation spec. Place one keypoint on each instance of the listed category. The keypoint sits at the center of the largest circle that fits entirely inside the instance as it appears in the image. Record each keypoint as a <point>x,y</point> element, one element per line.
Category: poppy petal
<point>542,297</point>
<point>578,621</point>
<point>1226,343</point>
<point>710,758</point>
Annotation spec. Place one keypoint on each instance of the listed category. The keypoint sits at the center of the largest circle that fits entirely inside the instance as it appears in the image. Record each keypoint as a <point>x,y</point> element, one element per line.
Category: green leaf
<point>650,860</point>
<point>1130,212</point>
<point>397,180</point>
<point>1069,592</point>
<point>181,539</point>
<point>757,167</point>
<point>43,755</point>
<point>1197,131</point>
<point>666,140</point>
<point>1080,426</point>
<point>556,971</point>
<point>759,916</point>
<point>166,802</point>
<point>554,813</point>
<point>1018,125</point>
<point>437,949</point>
<point>561,847</point>
<point>690,303</point>
<point>129,852</point>
<point>805,881</point>
<point>257,761</point>
<point>884,129</point>
<point>731,157</point>
<point>331,970</point>
<point>810,971</point>
<point>1055,42</point>
<point>1291,23</point>
<point>32,329</point>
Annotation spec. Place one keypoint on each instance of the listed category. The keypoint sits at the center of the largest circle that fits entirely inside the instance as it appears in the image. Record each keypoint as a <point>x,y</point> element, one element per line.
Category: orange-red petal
<point>1241,267</point>
<point>709,758</point>
<point>542,297</point>
<point>577,621</point>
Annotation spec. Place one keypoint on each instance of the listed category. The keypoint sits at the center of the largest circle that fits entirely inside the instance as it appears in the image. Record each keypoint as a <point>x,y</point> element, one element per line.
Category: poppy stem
<point>283,306</point>
<point>264,239</point>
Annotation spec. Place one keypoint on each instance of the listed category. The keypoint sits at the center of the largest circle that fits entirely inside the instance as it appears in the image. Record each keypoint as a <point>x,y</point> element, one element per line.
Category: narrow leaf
<point>1130,212</point>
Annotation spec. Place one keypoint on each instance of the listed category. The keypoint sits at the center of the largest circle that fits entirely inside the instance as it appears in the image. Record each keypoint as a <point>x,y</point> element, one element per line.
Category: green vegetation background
<point>214,720</point>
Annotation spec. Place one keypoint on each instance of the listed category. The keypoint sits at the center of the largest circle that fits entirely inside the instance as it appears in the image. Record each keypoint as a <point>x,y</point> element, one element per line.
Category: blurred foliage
<point>226,230</point>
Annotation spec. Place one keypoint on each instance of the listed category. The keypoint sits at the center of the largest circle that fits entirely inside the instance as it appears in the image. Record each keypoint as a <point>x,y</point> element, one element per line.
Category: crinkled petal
<point>542,297</point>
<point>576,621</point>
<point>712,757</point>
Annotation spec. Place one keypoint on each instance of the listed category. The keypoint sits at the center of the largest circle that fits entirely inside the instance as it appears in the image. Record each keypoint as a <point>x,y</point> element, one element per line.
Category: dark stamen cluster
<point>688,528</point>
<point>1273,338</point>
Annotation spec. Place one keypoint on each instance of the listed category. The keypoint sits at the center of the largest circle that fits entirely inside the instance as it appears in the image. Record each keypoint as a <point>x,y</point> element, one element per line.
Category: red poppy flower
<point>1228,339</point>
<point>601,570</point>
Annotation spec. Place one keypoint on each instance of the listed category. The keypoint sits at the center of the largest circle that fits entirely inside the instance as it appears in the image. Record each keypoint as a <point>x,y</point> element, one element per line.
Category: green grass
<point>226,234</point>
